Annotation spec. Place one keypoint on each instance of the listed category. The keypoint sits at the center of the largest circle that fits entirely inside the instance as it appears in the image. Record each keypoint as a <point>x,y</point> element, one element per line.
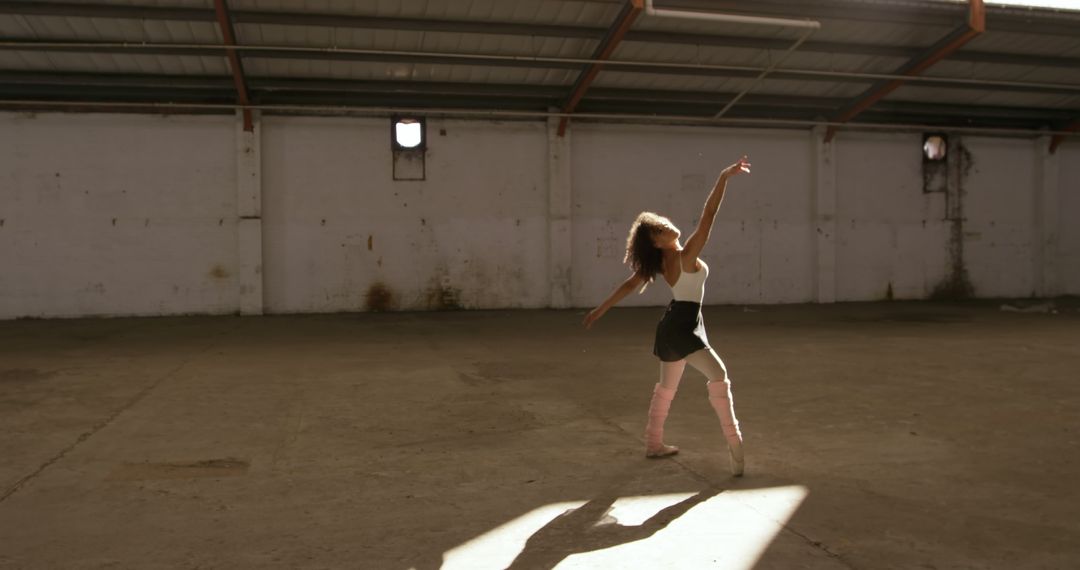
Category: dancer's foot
<point>736,461</point>
<point>662,451</point>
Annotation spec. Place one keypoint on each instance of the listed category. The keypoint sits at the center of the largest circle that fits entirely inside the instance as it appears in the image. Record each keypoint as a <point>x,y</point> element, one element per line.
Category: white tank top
<point>691,286</point>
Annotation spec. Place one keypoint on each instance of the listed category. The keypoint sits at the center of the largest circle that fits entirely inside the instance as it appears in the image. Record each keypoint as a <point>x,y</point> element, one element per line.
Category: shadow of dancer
<point>590,528</point>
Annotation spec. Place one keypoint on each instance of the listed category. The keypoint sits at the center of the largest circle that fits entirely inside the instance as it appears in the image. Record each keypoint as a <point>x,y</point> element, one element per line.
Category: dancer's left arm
<point>635,281</point>
<point>697,240</point>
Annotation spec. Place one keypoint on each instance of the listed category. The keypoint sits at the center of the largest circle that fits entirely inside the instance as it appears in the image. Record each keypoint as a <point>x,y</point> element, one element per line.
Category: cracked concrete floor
<point>899,435</point>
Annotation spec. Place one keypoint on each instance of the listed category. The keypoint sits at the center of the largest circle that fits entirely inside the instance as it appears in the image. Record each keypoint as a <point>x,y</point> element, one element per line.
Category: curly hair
<point>641,253</point>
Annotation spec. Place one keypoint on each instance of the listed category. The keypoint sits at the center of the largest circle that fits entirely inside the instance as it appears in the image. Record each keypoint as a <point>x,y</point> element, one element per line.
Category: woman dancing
<point>653,248</point>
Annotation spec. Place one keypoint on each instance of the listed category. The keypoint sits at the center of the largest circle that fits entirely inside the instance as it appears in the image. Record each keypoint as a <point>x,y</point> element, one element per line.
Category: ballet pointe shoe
<point>736,457</point>
<point>654,430</point>
<point>662,451</point>
<point>720,398</point>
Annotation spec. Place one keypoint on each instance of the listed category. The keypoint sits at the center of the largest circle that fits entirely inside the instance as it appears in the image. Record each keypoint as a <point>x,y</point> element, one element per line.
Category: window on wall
<point>935,150</point>
<point>935,145</point>
<point>408,141</point>
<point>408,133</point>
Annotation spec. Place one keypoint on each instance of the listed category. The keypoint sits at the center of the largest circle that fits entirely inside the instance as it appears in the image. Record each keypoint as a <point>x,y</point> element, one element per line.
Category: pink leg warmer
<point>721,400</point>
<point>654,430</point>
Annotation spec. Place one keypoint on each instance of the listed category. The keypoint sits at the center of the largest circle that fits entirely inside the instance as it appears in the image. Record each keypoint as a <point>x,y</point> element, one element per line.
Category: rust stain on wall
<point>219,272</point>
<point>379,298</point>
<point>956,285</point>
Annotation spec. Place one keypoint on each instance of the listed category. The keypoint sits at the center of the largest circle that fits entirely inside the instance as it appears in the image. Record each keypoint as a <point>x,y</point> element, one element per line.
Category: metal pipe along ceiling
<point>652,10</point>
<point>345,110</point>
<point>811,26</point>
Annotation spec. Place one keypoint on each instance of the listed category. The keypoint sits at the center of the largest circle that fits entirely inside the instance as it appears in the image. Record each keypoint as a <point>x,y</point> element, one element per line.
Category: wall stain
<point>442,297</point>
<point>379,298</point>
<point>370,242</point>
<point>219,272</point>
<point>956,285</point>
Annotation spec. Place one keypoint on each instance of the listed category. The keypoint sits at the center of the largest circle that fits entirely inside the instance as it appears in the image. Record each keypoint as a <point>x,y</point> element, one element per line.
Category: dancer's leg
<point>708,363</point>
<point>663,393</point>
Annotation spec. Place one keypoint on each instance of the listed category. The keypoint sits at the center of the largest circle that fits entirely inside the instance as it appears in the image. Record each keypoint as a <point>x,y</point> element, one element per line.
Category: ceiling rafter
<point>1057,139</point>
<point>974,25</point>
<point>228,35</point>
<point>627,15</point>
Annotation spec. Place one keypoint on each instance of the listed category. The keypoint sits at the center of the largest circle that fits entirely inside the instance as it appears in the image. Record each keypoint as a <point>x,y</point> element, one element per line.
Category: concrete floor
<point>900,435</point>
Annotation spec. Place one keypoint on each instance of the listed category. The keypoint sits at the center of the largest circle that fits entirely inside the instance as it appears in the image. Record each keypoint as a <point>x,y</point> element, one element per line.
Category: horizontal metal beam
<point>105,11</point>
<point>489,114</point>
<point>516,29</point>
<point>343,91</point>
<point>1025,20</point>
<point>531,62</point>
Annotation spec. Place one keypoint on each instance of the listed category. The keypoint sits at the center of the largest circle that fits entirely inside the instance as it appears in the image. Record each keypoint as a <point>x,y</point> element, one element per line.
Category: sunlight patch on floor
<point>729,530</point>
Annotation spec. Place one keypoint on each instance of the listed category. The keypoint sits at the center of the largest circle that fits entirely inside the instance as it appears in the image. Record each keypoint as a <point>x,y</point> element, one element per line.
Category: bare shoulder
<point>688,263</point>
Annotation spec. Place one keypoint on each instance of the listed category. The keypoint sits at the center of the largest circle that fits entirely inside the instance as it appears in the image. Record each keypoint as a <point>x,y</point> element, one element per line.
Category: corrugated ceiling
<point>527,54</point>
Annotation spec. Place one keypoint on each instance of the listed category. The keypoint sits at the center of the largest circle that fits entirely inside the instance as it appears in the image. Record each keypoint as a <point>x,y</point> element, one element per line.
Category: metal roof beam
<point>1056,141</point>
<point>630,11</point>
<point>72,79</point>
<point>518,29</point>
<point>78,10</point>
<point>180,86</point>
<point>972,27</point>
<point>228,36</point>
<point>702,70</point>
<point>1024,20</point>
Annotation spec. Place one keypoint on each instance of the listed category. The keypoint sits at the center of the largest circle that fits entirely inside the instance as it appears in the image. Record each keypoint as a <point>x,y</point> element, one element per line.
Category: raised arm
<point>697,240</point>
<point>635,281</point>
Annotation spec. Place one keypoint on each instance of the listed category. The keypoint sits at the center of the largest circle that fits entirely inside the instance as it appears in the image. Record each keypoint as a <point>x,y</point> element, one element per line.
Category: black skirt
<point>680,332</point>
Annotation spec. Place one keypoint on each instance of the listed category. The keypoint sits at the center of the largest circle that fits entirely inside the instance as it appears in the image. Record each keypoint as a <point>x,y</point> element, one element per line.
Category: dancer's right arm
<point>635,281</point>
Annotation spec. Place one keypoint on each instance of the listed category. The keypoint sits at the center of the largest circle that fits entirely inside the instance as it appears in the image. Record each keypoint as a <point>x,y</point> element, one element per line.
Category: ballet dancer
<point>653,248</point>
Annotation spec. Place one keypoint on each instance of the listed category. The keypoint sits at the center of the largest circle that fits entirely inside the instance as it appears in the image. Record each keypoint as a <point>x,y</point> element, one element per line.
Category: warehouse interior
<point>301,284</point>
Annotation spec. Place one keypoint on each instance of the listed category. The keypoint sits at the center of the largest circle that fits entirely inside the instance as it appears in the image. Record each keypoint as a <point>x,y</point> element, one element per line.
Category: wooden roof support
<point>607,46</point>
<point>229,37</point>
<point>975,25</point>
<point>1058,139</point>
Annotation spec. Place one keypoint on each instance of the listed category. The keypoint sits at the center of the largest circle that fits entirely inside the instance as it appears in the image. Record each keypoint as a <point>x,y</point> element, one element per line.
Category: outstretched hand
<point>591,318</point>
<point>743,165</point>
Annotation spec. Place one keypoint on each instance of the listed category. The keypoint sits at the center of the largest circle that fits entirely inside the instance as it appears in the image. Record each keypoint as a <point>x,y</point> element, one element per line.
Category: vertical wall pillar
<point>1045,238</point>
<point>249,274</point>
<point>559,212</point>
<point>825,216</point>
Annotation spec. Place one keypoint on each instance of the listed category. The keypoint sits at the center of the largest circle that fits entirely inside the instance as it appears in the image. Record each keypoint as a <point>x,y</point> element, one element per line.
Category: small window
<point>408,133</point>
<point>934,147</point>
